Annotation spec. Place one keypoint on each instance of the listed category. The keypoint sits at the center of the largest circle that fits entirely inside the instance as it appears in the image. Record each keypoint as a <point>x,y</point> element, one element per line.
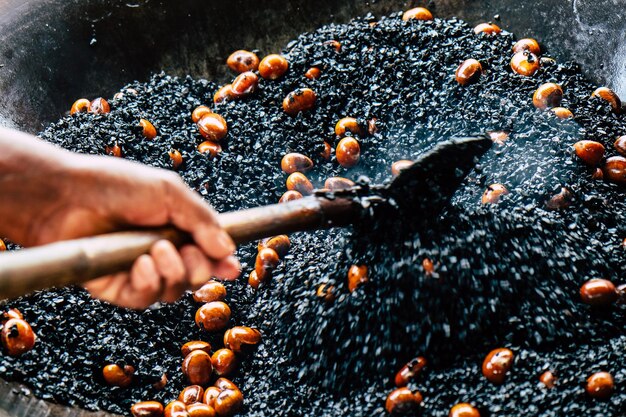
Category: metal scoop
<point>423,188</point>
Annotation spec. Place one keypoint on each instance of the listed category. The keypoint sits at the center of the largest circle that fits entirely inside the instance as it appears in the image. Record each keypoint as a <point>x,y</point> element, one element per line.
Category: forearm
<point>30,173</point>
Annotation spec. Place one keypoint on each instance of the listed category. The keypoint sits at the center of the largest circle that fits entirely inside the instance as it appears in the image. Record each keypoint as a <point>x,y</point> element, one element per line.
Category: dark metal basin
<point>55,51</point>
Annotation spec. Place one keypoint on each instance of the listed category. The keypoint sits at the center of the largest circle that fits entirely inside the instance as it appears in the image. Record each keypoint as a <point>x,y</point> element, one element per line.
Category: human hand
<point>66,196</point>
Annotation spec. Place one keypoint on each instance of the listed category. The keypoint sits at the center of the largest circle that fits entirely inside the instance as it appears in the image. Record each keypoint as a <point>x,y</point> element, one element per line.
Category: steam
<point>582,13</point>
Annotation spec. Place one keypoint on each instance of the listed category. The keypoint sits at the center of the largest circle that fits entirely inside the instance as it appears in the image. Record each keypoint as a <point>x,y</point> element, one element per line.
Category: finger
<point>144,278</point>
<point>128,297</point>
<point>143,287</point>
<point>171,293</point>
<point>228,269</point>
<point>168,262</point>
<point>98,285</point>
<point>108,288</point>
<point>197,265</point>
<point>191,213</point>
<point>145,283</point>
<point>171,268</point>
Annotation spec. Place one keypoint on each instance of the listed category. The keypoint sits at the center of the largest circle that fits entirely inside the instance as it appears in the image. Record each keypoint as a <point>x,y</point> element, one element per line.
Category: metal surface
<point>16,401</point>
<point>54,51</point>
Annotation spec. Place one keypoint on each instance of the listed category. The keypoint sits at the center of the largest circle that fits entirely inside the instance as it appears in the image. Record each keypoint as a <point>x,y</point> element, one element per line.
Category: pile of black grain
<point>506,274</point>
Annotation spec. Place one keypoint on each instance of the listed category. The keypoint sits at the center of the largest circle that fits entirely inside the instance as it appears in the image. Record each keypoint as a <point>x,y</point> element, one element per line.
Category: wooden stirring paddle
<point>423,187</point>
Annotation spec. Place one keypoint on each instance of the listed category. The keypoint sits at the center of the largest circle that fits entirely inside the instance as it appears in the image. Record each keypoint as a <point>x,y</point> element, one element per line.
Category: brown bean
<point>614,170</point>
<point>598,292</point>
<point>161,383</point>
<point>199,112</point>
<point>403,401</point>
<point>493,193</point>
<point>372,126</point>
<point>80,106</point>
<point>197,367</point>
<point>225,383</point>
<point>228,403</point>
<point>335,44</point>
<point>211,291</point>
<point>147,409</point>
<point>326,152</point>
<point>245,84</point>
<point>12,313</point>
<point>562,113</point>
<point>176,157</point>
<point>211,148</point>
<point>561,200</point>
<point>418,13</point>
<point>296,162</point>
<point>242,61</point>
<point>547,96</point>
<point>118,376</point>
<point>338,183</point>
<point>266,261</point>
<point>240,338</point>
<point>213,127</point>
<point>357,275</point>
<point>428,266</point>
<point>225,93</point>
<point>600,385</point>
<point>468,72</point>
<point>589,151</point>
<point>224,362</point>
<point>127,91</point>
<point>597,174</point>
<point>313,73</point>
<point>201,410</point>
<point>290,196</point>
<point>195,345</point>
<point>272,67</point>
<point>299,182</point>
<point>115,150</point>
<point>176,409</point>
<point>463,410</point>
<point>213,316</point>
<point>210,394</point>
<point>99,106</point>
<point>409,371</point>
<point>280,244</point>
<point>400,165</point>
<point>254,281</point>
<point>610,97</point>
<point>17,337</point>
<point>525,63</point>
<point>348,152</point>
<point>620,145</point>
<point>191,394</point>
<point>300,100</point>
<point>348,124</point>
<point>527,44</point>
<point>488,28</point>
<point>326,292</point>
<point>497,364</point>
<point>548,379</point>
<point>147,129</point>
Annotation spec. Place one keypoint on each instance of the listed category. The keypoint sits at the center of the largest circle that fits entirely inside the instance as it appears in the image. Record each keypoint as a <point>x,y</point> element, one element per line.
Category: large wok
<point>55,51</point>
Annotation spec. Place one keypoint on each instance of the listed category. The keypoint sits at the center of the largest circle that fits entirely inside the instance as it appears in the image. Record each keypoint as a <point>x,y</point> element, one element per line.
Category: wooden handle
<point>78,261</point>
